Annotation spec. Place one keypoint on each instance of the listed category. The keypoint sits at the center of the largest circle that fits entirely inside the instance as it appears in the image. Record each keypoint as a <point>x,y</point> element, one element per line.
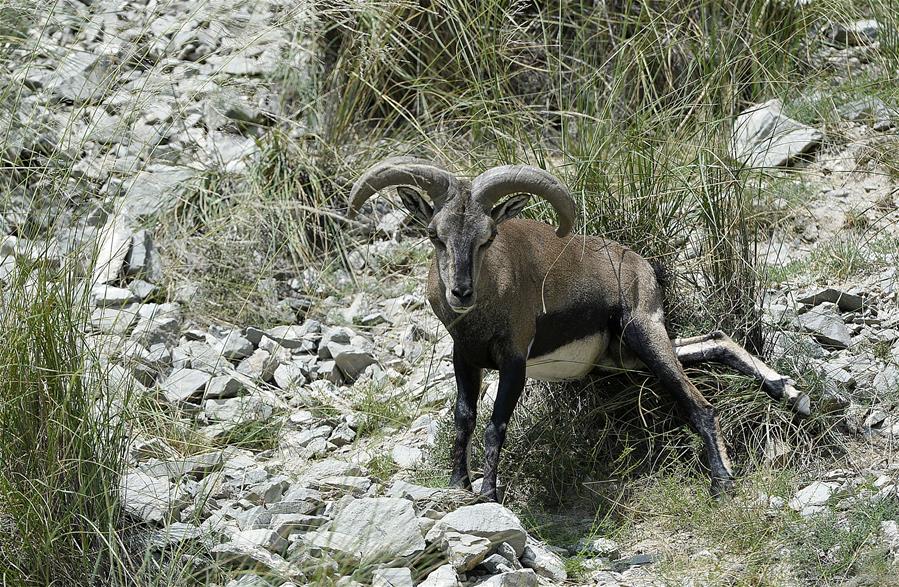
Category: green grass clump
<point>380,412</point>
<point>62,438</point>
<point>831,548</point>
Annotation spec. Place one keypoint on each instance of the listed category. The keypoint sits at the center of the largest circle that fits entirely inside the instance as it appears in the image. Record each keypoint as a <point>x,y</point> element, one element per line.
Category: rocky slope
<point>287,455</point>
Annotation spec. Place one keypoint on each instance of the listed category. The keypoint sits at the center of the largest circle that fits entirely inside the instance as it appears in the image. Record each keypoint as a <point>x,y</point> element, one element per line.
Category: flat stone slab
<point>368,530</point>
<point>826,324</point>
<point>845,301</point>
<point>765,137</point>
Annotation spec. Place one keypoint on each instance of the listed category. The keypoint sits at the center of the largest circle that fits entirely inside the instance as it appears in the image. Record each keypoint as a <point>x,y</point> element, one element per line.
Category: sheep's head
<point>463,219</point>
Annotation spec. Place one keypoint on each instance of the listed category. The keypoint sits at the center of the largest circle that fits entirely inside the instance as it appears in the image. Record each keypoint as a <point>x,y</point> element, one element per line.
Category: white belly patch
<point>572,361</point>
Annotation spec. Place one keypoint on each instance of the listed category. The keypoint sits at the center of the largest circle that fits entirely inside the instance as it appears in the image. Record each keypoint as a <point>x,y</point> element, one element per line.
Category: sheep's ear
<point>419,207</point>
<point>509,208</point>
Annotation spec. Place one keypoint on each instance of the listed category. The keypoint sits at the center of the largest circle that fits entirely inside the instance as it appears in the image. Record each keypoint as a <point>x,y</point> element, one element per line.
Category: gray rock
<point>886,381</point>
<point>237,410</point>
<point>107,296</point>
<point>398,577</point>
<point>464,551</point>
<point>287,524</point>
<point>260,365</point>
<point>846,302</point>
<point>151,499</point>
<point>487,520</point>
<point>342,435</point>
<point>826,324</point>
<point>860,32</point>
<point>263,537</point>
<point>402,488</point>
<point>442,576</point>
<point>143,260</point>
<point>812,498</point>
<point>520,578</point>
<point>543,561</point>
<point>232,346</point>
<point>297,336</point>
<point>241,555</point>
<point>154,189</point>
<point>179,534</point>
<point>142,289</point>
<point>600,546</point>
<point>302,438</point>
<point>368,530</point>
<point>354,485</point>
<point>194,465</point>
<point>184,384</point>
<point>114,321</point>
<point>224,386</point>
<point>114,243</point>
<point>870,110</point>
<point>353,358</point>
<point>289,376</point>
<point>765,137</point>
<point>406,457</point>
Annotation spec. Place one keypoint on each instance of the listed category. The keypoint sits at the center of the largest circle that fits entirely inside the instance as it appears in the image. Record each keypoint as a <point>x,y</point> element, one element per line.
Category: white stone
<point>184,384</point>
<point>442,576</point>
<point>520,578</point>
<point>812,498</point>
<point>543,561</point>
<point>398,577</point>
<point>380,529</point>
<point>488,520</point>
<point>407,457</point>
<point>152,499</point>
<point>764,137</point>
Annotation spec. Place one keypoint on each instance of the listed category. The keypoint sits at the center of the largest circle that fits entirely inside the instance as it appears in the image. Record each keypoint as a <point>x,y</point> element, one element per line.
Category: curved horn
<point>501,181</point>
<point>419,173</point>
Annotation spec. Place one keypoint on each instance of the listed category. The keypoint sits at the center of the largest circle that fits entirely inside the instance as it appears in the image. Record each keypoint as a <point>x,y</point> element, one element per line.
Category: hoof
<point>723,488</point>
<point>463,483</point>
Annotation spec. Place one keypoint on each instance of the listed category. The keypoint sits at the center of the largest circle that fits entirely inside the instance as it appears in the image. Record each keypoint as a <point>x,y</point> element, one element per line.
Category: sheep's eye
<point>432,234</point>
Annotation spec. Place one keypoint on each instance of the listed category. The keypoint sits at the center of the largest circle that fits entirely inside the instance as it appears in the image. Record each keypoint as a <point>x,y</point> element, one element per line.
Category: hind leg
<point>647,338</point>
<point>718,347</point>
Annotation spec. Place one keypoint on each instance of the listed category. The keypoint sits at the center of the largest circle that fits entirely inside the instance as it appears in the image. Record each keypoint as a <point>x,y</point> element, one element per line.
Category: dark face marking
<point>461,231</point>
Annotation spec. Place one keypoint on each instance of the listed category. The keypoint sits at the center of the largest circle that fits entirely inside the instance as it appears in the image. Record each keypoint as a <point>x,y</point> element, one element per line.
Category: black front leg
<point>511,384</point>
<point>468,388</point>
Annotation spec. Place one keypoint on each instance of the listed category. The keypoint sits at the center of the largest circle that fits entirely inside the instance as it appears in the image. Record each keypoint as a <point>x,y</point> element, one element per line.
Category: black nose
<point>462,292</point>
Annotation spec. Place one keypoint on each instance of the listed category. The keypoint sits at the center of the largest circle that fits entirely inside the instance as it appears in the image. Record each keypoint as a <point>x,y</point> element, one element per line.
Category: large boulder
<point>379,529</point>
<point>765,137</point>
<point>487,520</point>
<point>152,499</point>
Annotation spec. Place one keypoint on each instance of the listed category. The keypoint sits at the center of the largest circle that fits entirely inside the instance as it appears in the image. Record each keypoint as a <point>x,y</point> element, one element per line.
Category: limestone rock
<point>765,137</point>
<point>380,529</point>
<point>859,32</point>
<point>152,499</point>
<point>399,577</point>
<point>812,498</point>
<point>464,551</point>
<point>521,578</point>
<point>543,561</point>
<point>826,324</point>
<point>224,386</point>
<point>442,576</point>
<point>237,410</point>
<point>487,520</point>
<point>184,384</point>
